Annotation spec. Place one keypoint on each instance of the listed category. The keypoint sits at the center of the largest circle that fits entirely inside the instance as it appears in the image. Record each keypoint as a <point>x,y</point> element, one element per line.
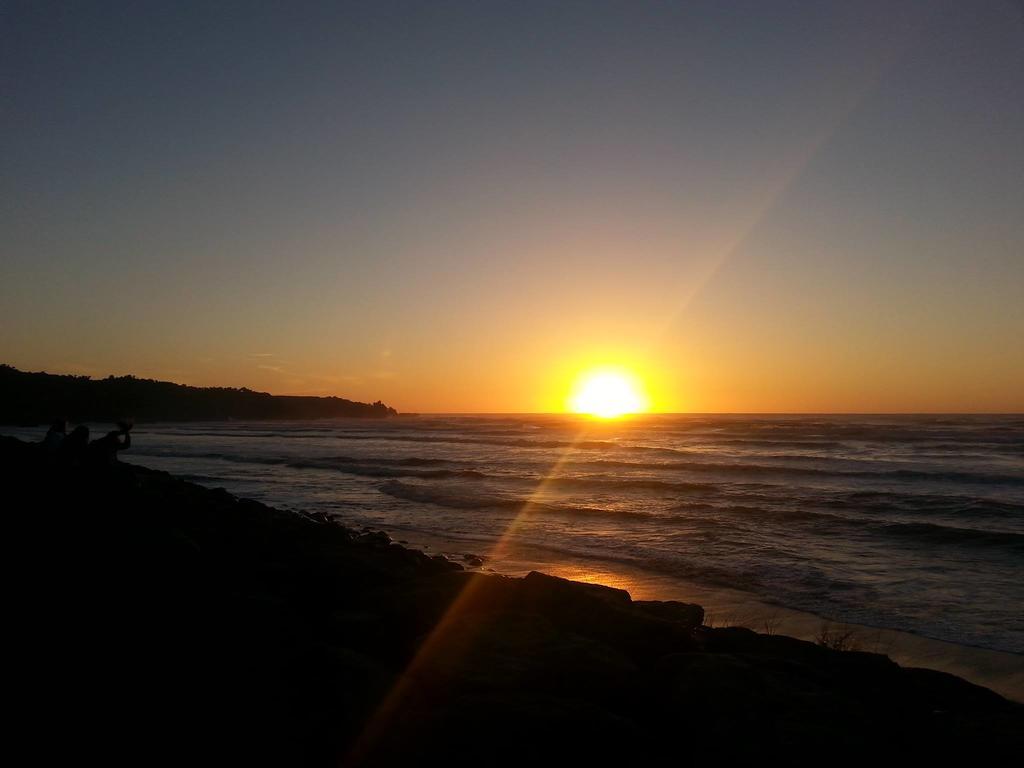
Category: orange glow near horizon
<point>608,394</point>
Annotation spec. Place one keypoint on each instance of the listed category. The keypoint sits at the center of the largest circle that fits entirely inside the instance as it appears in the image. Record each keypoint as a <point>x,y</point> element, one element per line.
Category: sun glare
<point>608,394</point>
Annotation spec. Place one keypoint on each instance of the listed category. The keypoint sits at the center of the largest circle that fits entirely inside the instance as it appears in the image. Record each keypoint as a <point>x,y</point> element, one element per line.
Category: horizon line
<point>713,413</point>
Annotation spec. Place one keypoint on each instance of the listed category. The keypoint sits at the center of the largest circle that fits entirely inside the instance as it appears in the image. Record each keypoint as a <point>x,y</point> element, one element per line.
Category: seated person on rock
<point>103,452</point>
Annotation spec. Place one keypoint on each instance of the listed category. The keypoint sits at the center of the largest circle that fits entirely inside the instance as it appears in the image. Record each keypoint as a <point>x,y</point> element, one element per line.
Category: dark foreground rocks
<point>151,620</point>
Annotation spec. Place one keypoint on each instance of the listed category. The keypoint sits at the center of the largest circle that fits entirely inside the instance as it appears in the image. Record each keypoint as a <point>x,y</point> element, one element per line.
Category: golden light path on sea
<point>445,630</point>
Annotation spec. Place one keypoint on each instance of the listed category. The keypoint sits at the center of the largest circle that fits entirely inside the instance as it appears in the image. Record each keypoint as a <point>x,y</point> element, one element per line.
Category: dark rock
<point>950,693</point>
<point>553,589</point>
<point>685,614</point>
<point>375,538</point>
<point>444,561</point>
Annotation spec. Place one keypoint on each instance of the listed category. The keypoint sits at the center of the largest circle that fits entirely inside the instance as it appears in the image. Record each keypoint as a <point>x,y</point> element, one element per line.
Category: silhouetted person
<point>103,452</point>
<point>72,450</point>
<point>54,438</point>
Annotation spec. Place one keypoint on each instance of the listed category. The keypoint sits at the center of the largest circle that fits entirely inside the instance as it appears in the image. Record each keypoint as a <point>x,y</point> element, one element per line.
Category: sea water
<point>913,523</point>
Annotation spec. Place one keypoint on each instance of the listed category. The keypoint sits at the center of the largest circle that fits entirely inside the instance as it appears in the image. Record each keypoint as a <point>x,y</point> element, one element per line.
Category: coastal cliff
<point>160,621</point>
<point>39,398</point>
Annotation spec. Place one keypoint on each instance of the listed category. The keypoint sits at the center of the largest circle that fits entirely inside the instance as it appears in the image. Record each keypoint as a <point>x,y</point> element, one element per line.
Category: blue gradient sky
<point>758,206</point>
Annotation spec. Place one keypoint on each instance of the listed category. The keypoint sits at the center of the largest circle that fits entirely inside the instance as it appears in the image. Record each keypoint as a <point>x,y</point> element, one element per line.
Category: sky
<point>458,207</point>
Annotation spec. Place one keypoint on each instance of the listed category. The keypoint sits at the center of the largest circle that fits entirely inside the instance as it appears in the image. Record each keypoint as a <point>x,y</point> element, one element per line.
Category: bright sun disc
<point>607,395</point>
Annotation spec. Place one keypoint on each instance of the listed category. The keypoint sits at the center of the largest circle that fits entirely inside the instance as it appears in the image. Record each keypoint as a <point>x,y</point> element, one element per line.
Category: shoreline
<point>225,631</point>
<point>1000,671</point>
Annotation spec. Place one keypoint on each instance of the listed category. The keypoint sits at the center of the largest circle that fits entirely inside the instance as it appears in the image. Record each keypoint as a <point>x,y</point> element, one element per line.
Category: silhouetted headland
<point>37,398</point>
<point>157,620</point>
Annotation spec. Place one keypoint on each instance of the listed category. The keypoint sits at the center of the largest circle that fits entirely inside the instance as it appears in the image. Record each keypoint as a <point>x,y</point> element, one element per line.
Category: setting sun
<point>607,394</point>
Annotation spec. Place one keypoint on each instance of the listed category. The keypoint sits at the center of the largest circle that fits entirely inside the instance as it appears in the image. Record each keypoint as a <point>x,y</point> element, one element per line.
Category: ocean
<point>913,523</point>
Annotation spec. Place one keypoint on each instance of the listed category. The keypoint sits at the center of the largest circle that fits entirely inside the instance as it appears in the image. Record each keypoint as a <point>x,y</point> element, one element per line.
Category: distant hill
<point>35,398</point>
